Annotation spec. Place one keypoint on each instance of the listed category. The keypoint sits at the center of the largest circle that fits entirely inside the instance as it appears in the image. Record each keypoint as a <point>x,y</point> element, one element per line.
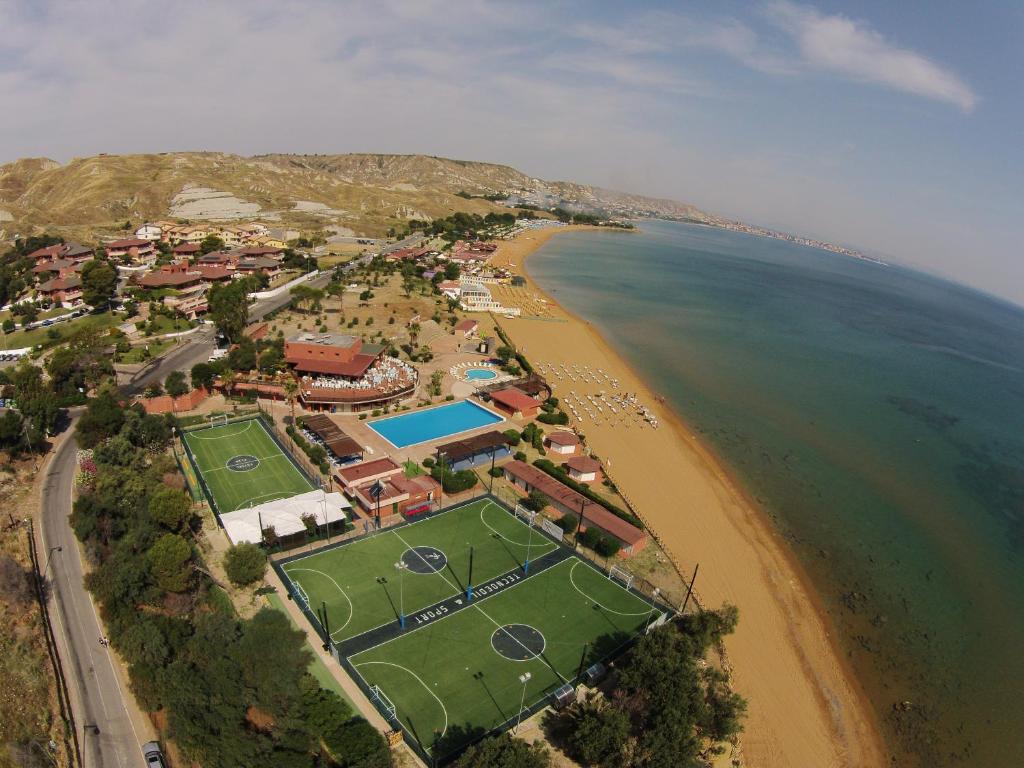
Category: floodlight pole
<point>469,583</point>
<point>583,661</point>
<point>401,567</point>
<point>579,525</point>
<point>529,544</point>
<point>440,504</point>
<point>490,489</point>
<point>524,679</point>
<point>327,626</point>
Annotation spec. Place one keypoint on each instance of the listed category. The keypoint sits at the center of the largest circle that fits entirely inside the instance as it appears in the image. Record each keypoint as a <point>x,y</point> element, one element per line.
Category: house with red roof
<point>562,442</point>
<point>584,469</point>
<point>467,327</point>
<point>62,290</point>
<point>515,403</point>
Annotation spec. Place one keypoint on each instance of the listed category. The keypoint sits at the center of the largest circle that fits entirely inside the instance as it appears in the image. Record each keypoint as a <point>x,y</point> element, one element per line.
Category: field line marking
<point>420,681</point>
<point>191,436</point>
<point>260,459</point>
<point>474,605</point>
<point>601,605</point>
<point>351,609</point>
<point>277,494</point>
<point>544,542</point>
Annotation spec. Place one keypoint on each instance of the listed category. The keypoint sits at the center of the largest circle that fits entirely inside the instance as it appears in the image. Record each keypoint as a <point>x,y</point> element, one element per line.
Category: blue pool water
<point>444,421</point>
<point>480,374</point>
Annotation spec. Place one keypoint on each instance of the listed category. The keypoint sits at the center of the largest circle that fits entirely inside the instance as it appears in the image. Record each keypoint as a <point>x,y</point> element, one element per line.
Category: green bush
<point>513,437</point>
<point>607,546</point>
<point>495,472</point>
<point>428,462</point>
<point>589,537</point>
<point>568,522</point>
<point>519,456</point>
<point>557,417</point>
<point>245,563</point>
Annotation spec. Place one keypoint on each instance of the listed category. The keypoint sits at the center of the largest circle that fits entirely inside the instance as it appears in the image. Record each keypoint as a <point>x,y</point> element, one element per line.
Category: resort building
<point>62,290</point>
<point>75,252</point>
<point>324,431</point>
<point>133,248</point>
<point>515,403</point>
<point>467,327</point>
<point>382,484</point>
<point>479,450</point>
<point>474,296</point>
<point>186,250</point>
<point>584,469</point>
<point>177,275</point>
<point>150,232</point>
<point>338,371</point>
<point>562,442</point>
<point>564,500</point>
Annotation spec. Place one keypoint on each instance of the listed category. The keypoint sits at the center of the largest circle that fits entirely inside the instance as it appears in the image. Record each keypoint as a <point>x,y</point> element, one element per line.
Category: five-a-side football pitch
<point>459,667</point>
<point>242,465</point>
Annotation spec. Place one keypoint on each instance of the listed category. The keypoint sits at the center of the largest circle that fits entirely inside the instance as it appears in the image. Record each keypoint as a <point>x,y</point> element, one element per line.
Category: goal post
<point>526,515</point>
<point>218,419</point>
<point>620,574</point>
<point>383,703</point>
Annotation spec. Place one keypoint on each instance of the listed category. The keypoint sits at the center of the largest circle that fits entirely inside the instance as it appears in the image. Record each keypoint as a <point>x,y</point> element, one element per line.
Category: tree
<point>599,733</point>
<point>210,244</point>
<point>536,500</point>
<point>203,375</point>
<point>170,562</point>
<point>245,563</point>
<point>291,391</point>
<point>170,508</point>
<point>175,384</point>
<point>229,308</point>
<point>504,751</point>
<point>451,271</point>
<point>99,281</point>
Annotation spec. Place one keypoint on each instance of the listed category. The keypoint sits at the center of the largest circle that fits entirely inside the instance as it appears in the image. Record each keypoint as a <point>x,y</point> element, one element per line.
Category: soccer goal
<point>300,595</point>
<point>384,703</point>
<point>527,515</point>
<point>218,419</point>
<point>617,573</point>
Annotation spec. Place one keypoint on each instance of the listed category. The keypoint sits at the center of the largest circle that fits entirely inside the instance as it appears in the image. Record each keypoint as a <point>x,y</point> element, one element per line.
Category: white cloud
<point>851,48</point>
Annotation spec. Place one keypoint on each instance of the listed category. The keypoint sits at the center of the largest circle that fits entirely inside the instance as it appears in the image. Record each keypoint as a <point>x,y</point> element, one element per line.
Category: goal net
<point>383,702</point>
<point>617,573</point>
<point>300,595</point>
<point>526,515</point>
<point>218,419</point>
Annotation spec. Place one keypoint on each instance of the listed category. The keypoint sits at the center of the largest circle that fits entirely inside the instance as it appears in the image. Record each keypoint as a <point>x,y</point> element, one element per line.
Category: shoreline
<point>805,705</point>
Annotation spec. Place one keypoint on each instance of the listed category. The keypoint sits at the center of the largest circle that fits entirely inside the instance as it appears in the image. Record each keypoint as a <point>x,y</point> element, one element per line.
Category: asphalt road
<point>105,730</point>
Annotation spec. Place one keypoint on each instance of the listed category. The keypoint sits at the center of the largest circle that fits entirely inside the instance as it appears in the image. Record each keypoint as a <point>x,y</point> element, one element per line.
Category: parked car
<point>153,754</point>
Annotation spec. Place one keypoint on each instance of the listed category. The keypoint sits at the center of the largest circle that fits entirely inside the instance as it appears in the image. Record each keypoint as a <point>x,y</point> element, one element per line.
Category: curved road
<point>105,729</point>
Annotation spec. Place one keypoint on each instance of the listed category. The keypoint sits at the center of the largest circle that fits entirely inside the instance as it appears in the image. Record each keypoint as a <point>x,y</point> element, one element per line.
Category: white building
<point>474,296</point>
<point>151,232</point>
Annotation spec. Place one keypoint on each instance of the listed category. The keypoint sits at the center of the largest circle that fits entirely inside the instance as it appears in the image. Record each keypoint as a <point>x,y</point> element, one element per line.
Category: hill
<point>361,193</point>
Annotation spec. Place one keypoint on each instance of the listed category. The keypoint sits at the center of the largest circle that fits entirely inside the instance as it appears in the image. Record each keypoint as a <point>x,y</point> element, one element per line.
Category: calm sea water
<point>877,414</point>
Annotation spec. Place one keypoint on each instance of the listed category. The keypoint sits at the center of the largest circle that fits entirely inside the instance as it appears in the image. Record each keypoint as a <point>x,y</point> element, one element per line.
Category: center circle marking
<point>424,560</point>
<point>518,642</point>
<point>242,463</point>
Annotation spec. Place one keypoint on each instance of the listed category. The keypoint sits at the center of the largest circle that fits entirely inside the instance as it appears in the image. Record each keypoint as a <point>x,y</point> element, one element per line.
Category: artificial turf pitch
<point>454,671</point>
<point>224,455</point>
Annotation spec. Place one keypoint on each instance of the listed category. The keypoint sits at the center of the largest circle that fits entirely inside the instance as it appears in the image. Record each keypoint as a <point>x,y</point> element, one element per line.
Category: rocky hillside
<point>364,194</point>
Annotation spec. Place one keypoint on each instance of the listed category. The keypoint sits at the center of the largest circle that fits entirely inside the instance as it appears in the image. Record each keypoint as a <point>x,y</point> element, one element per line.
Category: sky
<point>895,128</point>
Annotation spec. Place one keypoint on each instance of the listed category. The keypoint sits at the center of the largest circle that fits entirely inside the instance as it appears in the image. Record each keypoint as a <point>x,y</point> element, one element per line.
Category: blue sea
<point>877,415</point>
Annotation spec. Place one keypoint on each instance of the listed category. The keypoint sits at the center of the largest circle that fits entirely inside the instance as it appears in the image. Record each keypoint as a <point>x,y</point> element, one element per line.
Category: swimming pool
<point>432,423</point>
<point>480,374</point>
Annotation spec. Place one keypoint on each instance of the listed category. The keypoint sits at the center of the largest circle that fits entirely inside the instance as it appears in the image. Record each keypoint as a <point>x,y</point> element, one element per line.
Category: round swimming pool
<point>480,374</point>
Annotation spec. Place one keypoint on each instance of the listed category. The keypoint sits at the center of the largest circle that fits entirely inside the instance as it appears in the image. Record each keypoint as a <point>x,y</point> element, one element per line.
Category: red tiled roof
<point>132,242</point>
<point>213,271</point>
<point>467,325</point>
<point>583,464</point>
<point>186,248</point>
<point>515,399</point>
<point>563,437</point>
<point>162,279</point>
<point>61,284</point>
<point>357,366</point>
<point>49,252</point>
<point>357,472</point>
<point>593,513</point>
<point>262,250</point>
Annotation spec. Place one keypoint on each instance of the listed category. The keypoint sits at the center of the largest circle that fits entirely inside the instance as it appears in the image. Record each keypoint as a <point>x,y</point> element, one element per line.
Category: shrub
<point>589,537</point>
<point>513,437</point>
<point>428,462</point>
<point>568,522</point>
<point>449,398</point>
<point>558,417</point>
<point>245,563</point>
<point>495,472</point>
<point>519,456</point>
<point>607,546</point>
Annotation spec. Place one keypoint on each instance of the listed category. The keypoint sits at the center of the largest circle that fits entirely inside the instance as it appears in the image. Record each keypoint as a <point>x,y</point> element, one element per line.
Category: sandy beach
<point>805,708</point>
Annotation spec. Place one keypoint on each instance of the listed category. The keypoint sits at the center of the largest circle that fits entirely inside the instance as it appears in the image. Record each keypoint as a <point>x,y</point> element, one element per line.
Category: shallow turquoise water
<point>878,415</point>
<point>480,374</point>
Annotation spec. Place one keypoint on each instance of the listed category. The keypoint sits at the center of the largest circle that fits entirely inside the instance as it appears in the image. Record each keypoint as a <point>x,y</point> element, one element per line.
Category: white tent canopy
<point>285,515</point>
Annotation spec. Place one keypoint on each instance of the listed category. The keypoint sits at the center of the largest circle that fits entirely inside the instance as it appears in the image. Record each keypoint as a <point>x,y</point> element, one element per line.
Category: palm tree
<point>291,391</point>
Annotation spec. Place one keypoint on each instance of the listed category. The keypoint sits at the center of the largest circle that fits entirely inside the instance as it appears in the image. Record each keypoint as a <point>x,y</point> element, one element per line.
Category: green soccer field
<point>348,579</point>
<point>242,465</point>
<point>448,681</point>
<point>454,671</point>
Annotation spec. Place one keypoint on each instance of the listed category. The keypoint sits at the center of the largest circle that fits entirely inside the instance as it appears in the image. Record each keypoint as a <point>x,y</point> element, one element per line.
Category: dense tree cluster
<point>235,692</point>
<point>666,709</point>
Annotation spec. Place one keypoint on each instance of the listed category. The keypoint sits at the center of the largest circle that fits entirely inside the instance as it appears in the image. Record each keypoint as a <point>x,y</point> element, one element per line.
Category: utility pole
<point>524,679</point>
<point>689,589</point>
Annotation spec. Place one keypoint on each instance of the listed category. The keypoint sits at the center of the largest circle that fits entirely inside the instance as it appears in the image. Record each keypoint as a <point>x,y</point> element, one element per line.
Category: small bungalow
<point>134,248</point>
<point>515,403</point>
<point>467,327</point>
<point>562,442</point>
<point>584,469</point>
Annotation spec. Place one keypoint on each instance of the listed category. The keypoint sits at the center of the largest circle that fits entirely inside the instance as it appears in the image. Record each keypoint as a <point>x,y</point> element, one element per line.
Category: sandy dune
<point>805,709</point>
